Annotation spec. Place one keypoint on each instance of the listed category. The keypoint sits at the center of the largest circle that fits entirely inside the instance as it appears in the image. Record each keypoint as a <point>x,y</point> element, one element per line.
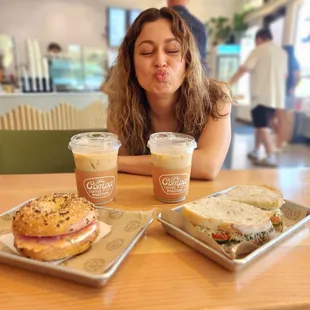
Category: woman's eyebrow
<point>146,41</point>
<point>152,42</point>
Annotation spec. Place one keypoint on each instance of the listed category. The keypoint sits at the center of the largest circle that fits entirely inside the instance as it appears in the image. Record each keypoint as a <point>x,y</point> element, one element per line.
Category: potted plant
<point>219,29</point>
<point>238,26</point>
<point>223,30</point>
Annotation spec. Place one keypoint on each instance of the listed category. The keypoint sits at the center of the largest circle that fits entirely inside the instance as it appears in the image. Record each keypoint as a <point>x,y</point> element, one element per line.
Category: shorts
<point>261,116</point>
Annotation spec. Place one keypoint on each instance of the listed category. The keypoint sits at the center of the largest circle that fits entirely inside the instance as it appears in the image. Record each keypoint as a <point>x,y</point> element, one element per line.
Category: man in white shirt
<point>267,65</point>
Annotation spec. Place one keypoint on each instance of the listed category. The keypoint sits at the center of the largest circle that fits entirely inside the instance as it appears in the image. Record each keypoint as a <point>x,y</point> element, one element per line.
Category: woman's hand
<point>208,158</point>
<point>135,164</point>
<point>213,146</point>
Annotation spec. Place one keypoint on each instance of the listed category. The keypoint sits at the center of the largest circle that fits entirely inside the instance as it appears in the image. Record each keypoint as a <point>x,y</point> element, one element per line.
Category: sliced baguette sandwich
<point>229,221</point>
<point>260,196</point>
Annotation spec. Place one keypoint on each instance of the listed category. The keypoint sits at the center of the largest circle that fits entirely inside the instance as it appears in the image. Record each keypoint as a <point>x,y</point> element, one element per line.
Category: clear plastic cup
<point>171,165</point>
<point>95,157</point>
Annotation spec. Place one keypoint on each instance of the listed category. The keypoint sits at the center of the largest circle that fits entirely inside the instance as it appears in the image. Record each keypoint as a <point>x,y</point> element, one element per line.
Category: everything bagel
<point>54,227</point>
<point>54,215</point>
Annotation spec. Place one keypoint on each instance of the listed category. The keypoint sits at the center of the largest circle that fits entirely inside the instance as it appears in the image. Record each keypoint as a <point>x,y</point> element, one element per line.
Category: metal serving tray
<point>297,216</point>
<point>90,268</point>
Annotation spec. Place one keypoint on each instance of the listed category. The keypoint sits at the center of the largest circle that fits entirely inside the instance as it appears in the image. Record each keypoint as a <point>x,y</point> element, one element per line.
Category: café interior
<point>54,59</point>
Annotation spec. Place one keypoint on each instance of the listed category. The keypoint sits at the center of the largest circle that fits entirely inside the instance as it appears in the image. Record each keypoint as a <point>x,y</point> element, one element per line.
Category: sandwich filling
<point>61,241</point>
<point>223,237</point>
<point>276,220</point>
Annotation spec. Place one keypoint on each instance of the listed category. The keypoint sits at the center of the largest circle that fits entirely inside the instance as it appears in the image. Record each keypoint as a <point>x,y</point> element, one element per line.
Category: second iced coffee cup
<point>95,156</point>
<point>171,159</point>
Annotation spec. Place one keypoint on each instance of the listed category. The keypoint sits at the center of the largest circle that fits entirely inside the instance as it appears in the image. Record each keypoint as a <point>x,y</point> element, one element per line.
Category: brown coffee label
<point>171,184</point>
<point>97,187</point>
<point>174,184</point>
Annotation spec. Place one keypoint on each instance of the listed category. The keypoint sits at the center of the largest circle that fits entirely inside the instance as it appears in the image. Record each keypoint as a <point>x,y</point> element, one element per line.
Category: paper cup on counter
<point>171,163</point>
<point>95,156</point>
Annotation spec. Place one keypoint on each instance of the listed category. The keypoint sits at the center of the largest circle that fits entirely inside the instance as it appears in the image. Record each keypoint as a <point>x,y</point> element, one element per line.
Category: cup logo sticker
<point>116,214</point>
<point>94,265</point>
<point>174,184</point>
<point>133,225</point>
<point>4,232</point>
<point>99,187</point>
<point>291,214</point>
<point>6,249</point>
<point>115,244</point>
<point>7,217</point>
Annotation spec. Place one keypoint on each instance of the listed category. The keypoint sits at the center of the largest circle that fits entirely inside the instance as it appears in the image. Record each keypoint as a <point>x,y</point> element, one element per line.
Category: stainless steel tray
<point>87,268</point>
<point>294,210</point>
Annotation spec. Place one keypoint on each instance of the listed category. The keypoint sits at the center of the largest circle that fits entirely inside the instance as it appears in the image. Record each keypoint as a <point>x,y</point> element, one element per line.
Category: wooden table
<point>161,272</point>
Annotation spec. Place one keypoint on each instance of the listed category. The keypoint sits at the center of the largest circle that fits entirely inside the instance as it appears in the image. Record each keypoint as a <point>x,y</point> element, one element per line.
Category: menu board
<point>117,26</point>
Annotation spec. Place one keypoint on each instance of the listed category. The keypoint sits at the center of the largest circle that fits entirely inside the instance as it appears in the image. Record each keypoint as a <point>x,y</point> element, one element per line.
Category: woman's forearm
<point>135,164</point>
<point>202,167</point>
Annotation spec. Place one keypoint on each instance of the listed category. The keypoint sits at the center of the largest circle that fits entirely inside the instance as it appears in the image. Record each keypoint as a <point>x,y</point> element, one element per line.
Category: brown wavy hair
<point>197,98</point>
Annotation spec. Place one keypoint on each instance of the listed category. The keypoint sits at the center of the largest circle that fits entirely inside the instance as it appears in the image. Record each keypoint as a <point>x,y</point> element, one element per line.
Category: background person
<point>267,65</point>
<point>197,28</point>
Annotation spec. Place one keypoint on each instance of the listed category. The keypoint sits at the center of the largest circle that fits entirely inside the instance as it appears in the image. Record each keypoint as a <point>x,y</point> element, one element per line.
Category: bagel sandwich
<point>260,196</point>
<point>55,227</point>
<point>228,221</point>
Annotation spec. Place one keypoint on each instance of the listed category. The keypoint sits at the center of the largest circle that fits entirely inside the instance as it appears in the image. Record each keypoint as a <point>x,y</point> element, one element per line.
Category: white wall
<point>67,21</point>
<point>205,9</point>
<point>83,22</point>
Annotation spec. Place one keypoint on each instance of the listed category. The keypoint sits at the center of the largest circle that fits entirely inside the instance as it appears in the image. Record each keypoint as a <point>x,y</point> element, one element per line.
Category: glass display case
<point>82,68</point>
<point>66,74</point>
<point>227,62</point>
<point>7,63</point>
<point>94,67</point>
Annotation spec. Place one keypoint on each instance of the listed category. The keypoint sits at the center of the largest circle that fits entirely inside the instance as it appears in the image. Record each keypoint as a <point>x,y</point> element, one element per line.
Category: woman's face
<point>158,60</point>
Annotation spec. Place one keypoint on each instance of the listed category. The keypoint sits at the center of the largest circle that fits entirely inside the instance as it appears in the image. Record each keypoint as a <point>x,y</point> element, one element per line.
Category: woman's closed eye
<point>151,52</point>
<point>172,51</point>
<point>146,53</point>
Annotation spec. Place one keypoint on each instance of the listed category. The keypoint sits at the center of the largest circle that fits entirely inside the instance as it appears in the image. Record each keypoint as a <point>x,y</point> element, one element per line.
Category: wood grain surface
<point>161,272</point>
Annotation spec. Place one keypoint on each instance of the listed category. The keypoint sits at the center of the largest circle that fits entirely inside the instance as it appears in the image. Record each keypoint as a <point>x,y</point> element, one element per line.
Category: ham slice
<point>40,243</point>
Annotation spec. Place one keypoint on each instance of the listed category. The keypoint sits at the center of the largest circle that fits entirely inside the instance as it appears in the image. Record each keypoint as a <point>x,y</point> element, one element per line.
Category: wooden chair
<point>36,151</point>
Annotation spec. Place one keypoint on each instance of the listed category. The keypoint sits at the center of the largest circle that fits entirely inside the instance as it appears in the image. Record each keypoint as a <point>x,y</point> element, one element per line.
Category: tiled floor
<point>294,155</point>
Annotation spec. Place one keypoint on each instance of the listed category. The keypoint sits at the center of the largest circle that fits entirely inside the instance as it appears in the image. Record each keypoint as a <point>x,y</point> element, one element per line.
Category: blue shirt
<point>197,28</point>
<point>293,66</point>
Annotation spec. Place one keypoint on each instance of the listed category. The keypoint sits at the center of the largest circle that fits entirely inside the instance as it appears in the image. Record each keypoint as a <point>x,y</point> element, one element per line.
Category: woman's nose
<point>160,60</point>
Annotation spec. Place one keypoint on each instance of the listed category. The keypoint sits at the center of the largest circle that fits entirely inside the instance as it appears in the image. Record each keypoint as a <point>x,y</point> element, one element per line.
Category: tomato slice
<point>275,219</point>
<point>222,236</point>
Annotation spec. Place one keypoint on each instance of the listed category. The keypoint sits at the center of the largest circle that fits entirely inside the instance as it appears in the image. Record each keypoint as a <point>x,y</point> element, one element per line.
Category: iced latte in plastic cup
<point>95,157</point>
<point>171,160</point>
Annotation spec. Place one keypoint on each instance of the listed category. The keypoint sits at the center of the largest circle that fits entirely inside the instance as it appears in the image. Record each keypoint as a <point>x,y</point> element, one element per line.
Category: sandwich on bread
<point>55,227</point>
<point>260,196</point>
<point>227,221</point>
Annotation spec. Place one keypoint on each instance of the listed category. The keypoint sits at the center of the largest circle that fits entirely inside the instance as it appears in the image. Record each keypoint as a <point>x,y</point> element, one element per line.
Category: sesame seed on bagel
<point>54,215</point>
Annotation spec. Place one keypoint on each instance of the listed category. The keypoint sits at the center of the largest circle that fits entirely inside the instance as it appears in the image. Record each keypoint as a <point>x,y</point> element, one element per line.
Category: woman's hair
<point>197,97</point>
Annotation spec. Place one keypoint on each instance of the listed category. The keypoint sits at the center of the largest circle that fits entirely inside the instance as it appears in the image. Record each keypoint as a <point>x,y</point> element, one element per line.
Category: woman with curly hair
<point>158,84</point>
